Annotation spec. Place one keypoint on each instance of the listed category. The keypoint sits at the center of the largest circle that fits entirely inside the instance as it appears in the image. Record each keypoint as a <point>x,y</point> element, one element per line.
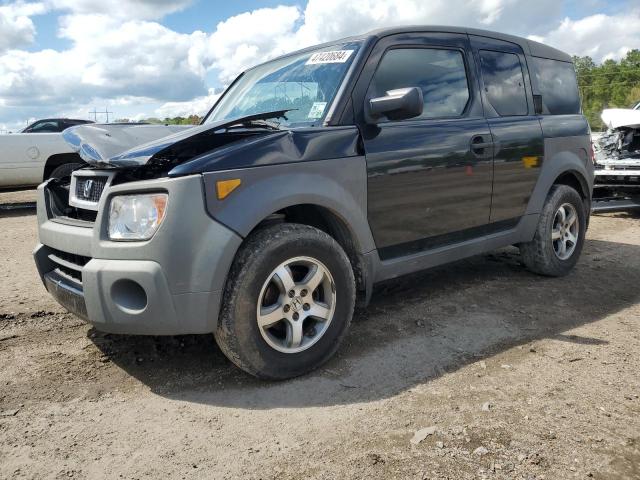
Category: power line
<point>96,112</point>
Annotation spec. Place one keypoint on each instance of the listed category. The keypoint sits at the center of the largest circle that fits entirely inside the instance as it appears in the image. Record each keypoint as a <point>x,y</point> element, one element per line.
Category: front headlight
<point>136,217</point>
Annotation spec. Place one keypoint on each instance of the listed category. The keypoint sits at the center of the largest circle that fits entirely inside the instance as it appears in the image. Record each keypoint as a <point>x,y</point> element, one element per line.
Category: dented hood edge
<point>126,145</point>
<point>111,144</point>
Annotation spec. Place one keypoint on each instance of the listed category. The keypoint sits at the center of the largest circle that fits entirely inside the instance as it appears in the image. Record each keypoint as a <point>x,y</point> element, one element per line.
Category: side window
<point>558,86</point>
<point>45,127</point>
<point>439,73</point>
<point>504,82</point>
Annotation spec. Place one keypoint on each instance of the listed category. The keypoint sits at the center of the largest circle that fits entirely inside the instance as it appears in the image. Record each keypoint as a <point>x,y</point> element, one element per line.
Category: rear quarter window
<point>504,82</point>
<point>558,87</point>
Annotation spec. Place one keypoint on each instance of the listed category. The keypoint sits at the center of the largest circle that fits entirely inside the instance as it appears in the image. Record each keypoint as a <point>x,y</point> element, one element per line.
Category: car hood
<point>127,145</point>
<point>123,144</point>
<point>621,117</point>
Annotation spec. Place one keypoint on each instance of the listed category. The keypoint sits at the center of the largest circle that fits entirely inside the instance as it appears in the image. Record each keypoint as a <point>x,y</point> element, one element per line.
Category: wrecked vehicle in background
<point>617,155</point>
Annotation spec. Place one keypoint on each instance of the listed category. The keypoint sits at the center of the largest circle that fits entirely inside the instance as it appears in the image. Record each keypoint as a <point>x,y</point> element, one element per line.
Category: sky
<point>164,58</point>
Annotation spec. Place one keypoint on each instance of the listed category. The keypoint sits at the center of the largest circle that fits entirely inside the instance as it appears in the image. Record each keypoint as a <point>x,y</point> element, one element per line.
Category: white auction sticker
<point>334,56</point>
<point>317,109</point>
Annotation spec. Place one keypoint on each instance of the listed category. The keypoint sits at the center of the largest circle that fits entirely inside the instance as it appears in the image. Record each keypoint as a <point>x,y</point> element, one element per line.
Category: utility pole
<point>96,112</point>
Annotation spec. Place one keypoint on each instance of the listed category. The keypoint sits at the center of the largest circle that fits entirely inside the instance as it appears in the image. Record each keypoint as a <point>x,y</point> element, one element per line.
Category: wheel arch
<point>327,194</point>
<point>333,224</point>
<point>575,180</point>
<point>565,168</point>
<point>58,159</point>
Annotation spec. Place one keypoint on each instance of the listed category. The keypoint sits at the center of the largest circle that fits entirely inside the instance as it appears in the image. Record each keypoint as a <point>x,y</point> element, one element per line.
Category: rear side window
<point>504,82</point>
<point>439,73</point>
<point>558,86</point>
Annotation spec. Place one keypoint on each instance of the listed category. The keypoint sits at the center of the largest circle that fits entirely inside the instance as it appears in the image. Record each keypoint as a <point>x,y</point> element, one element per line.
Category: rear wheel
<point>288,302</point>
<point>559,237</point>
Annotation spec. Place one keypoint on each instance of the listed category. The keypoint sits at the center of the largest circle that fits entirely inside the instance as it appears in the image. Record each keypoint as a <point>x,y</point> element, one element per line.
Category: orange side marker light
<point>225,187</point>
<point>531,162</point>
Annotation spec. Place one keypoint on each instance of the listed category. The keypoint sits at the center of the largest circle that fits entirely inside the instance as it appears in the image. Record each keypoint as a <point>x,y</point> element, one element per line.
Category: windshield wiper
<point>259,120</point>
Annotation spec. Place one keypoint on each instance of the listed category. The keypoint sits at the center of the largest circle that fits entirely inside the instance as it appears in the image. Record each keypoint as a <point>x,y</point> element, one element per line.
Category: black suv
<point>313,177</point>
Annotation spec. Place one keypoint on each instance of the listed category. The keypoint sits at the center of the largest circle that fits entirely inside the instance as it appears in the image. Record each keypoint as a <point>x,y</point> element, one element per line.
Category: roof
<point>530,47</point>
<point>62,118</point>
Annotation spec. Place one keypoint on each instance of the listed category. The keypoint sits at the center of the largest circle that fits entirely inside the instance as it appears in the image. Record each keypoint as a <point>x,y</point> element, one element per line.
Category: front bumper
<point>614,182</point>
<point>171,284</point>
<point>618,175</point>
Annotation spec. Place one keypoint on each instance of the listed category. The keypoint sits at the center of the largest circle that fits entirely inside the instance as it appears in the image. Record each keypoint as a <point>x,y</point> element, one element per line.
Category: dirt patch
<point>521,376</point>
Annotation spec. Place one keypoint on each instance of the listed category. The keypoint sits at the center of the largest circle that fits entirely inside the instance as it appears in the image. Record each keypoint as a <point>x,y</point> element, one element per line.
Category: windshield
<point>306,82</point>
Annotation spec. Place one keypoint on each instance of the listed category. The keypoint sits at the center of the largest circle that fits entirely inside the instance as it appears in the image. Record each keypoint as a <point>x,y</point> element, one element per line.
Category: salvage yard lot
<point>521,376</point>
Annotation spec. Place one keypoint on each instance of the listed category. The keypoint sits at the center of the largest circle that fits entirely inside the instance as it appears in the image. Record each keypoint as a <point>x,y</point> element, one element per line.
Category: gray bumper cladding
<point>168,285</point>
<point>67,294</point>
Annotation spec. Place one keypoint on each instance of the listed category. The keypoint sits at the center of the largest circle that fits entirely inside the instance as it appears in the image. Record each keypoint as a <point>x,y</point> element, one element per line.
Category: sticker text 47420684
<point>333,56</point>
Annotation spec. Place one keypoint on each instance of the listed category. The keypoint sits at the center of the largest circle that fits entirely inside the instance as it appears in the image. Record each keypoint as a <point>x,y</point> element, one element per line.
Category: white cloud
<point>124,9</point>
<point>16,28</point>
<point>198,106</point>
<point>600,36</point>
<point>249,38</point>
<point>330,19</point>
<point>253,37</point>
<point>108,59</point>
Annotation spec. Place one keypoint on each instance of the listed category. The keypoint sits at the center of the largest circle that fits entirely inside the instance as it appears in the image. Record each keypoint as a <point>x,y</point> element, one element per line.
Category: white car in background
<point>37,153</point>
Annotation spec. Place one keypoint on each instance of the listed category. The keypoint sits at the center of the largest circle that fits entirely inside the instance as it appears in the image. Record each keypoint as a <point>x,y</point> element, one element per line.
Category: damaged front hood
<point>621,117</point>
<point>111,144</point>
<point>125,145</point>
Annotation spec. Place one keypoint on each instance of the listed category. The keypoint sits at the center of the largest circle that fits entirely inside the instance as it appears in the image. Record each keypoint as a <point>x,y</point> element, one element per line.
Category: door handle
<point>479,145</point>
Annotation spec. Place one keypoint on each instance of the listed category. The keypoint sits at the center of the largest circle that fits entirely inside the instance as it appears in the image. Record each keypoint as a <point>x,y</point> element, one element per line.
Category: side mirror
<point>399,104</point>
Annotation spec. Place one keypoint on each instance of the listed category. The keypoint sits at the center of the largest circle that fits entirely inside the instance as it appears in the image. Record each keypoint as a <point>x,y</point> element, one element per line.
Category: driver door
<point>429,177</point>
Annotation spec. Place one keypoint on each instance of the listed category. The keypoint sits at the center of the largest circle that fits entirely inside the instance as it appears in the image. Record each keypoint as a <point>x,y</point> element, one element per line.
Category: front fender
<point>339,185</point>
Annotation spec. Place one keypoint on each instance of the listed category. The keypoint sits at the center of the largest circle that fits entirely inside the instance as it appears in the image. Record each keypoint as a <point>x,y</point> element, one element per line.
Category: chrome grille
<point>89,189</point>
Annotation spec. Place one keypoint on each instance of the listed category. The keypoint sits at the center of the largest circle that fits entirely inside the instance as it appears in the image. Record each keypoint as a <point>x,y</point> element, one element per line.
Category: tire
<point>291,346</point>
<point>544,255</point>
<point>65,170</point>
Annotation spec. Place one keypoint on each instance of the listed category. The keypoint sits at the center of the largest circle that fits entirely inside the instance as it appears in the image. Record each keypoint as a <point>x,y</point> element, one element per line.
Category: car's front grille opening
<point>70,274</point>
<point>68,265</point>
<point>618,180</point>
<point>57,203</point>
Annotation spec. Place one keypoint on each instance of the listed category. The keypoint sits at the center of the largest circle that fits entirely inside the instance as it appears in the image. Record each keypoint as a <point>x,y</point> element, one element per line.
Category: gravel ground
<point>476,370</point>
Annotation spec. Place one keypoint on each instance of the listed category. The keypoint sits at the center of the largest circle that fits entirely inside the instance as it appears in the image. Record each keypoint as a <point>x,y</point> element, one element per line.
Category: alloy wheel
<point>296,304</point>
<point>565,231</point>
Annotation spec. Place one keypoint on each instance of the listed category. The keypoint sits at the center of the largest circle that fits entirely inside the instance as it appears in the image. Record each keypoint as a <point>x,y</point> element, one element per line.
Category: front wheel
<point>288,302</point>
<point>559,237</point>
